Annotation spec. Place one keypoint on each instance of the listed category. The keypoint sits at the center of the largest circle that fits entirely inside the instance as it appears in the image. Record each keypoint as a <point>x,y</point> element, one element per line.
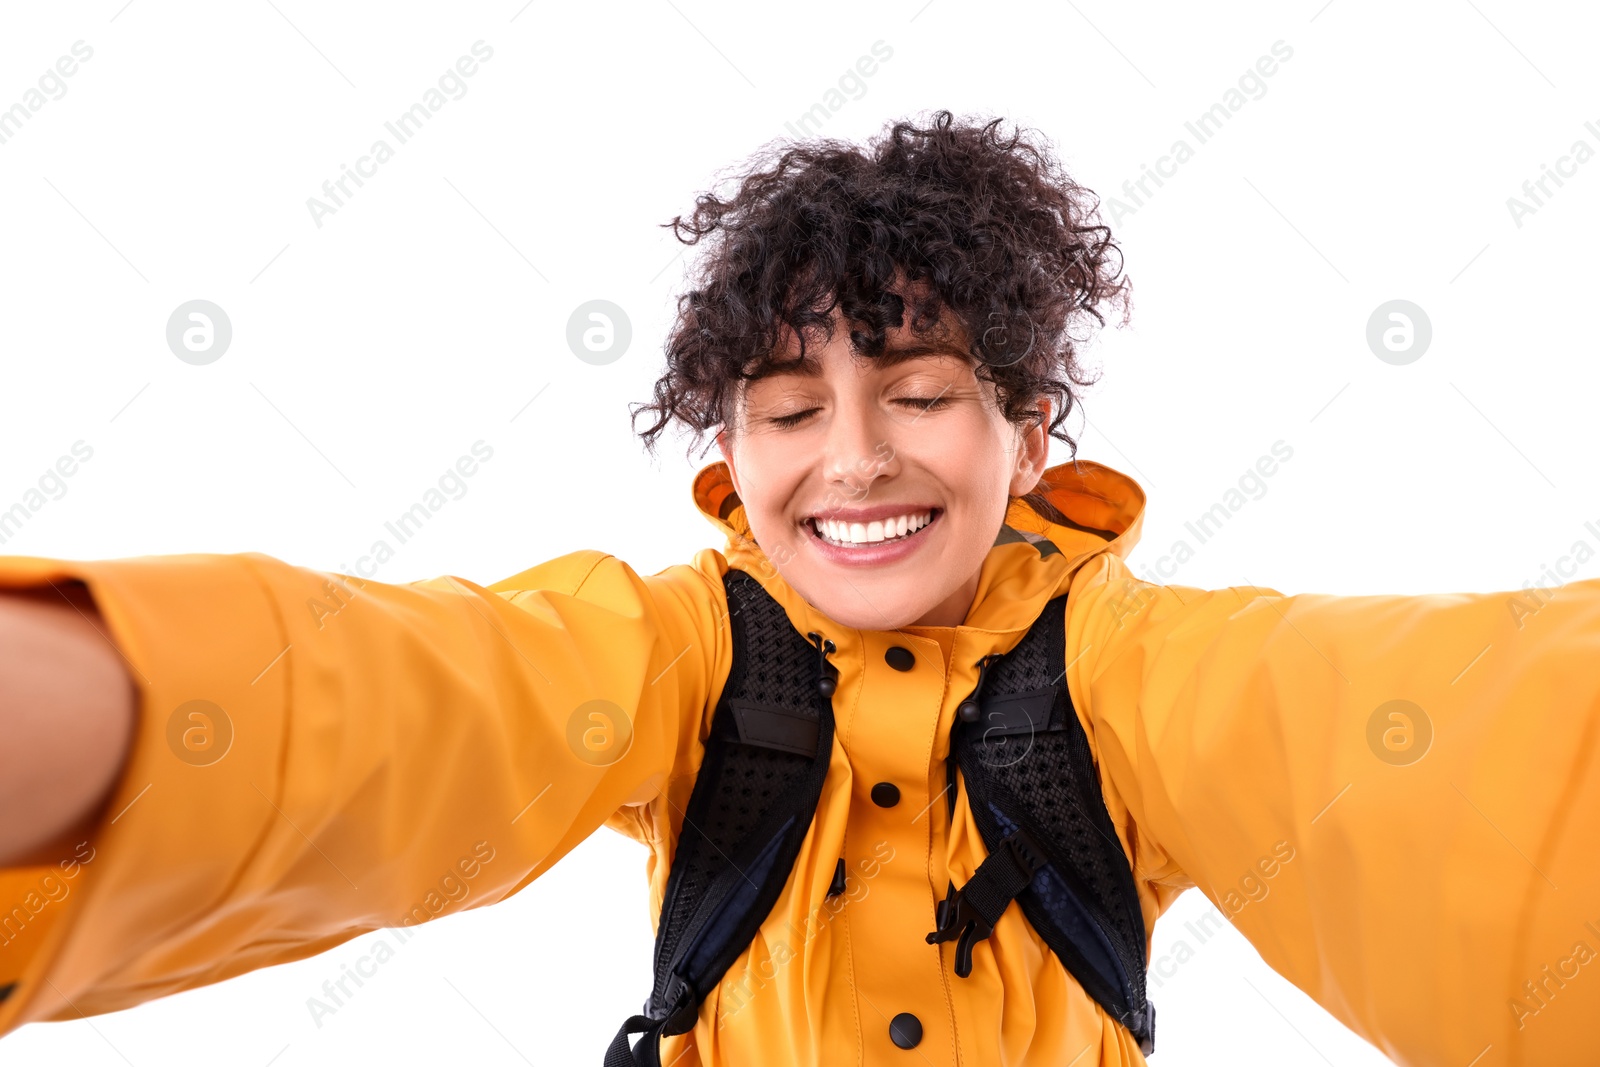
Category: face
<point>877,486</point>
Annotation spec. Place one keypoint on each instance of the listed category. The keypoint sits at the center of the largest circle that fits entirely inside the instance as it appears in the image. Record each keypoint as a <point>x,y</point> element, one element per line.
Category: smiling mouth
<point>816,530</point>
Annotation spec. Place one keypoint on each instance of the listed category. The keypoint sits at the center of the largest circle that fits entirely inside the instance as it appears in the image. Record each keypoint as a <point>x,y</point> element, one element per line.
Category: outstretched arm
<point>312,757</point>
<point>1396,799</point>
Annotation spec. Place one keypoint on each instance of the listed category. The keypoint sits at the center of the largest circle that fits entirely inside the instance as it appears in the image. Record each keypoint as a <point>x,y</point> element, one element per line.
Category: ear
<point>1033,452</point>
<point>725,446</point>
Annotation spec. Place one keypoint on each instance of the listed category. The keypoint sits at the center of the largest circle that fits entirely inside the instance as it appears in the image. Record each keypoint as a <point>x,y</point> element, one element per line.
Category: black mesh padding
<point>1027,666</point>
<point>1058,810</point>
<point>751,779</point>
<point>780,665</point>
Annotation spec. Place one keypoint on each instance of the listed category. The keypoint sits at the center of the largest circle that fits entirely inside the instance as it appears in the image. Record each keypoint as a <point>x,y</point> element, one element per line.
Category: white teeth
<point>862,533</point>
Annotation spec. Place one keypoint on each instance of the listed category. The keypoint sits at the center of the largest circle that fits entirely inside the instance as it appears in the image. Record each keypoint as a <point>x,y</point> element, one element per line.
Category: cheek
<point>973,465</point>
<point>978,481</point>
<point>769,476</point>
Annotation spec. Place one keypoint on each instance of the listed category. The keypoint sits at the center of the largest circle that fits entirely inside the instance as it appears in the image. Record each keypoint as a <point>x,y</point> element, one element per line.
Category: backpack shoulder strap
<point>1034,793</point>
<point>753,802</point>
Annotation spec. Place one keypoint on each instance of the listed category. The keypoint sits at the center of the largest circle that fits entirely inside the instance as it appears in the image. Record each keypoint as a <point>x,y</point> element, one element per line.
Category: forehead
<point>895,352</point>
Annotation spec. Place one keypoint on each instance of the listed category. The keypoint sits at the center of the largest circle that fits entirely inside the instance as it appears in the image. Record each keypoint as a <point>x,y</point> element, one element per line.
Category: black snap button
<point>905,1030</point>
<point>899,658</point>
<point>886,794</point>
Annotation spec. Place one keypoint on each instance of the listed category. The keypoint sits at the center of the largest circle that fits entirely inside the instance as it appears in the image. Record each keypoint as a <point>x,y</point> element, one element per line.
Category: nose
<point>858,451</point>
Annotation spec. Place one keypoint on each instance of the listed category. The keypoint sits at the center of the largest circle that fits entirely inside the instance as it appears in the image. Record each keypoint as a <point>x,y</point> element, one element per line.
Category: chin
<point>873,615</point>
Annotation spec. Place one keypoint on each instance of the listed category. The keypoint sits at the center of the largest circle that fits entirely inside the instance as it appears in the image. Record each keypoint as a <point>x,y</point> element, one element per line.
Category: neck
<point>952,610</point>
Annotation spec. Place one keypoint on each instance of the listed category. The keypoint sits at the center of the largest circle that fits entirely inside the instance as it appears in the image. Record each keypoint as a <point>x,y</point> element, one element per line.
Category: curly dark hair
<point>989,224</point>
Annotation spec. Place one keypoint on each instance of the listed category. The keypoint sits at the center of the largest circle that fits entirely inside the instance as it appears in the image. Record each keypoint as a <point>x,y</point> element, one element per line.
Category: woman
<point>226,762</point>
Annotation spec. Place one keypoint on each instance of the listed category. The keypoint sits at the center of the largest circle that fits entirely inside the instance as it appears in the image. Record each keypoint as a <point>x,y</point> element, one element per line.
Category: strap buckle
<point>970,913</point>
<point>959,917</point>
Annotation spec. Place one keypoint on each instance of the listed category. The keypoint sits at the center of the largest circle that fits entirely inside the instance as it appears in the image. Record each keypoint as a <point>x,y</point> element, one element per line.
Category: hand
<point>67,708</point>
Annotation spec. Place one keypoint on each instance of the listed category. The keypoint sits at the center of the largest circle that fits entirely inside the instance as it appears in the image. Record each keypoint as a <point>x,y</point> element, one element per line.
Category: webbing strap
<point>648,1051</point>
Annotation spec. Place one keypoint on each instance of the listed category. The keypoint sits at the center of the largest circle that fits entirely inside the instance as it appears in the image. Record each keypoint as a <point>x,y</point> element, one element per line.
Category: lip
<point>878,554</point>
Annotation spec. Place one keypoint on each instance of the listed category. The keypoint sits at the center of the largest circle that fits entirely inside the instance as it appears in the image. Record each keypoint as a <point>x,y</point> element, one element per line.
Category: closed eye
<point>920,403</point>
<point>924,403</point>
<point>793,419</point>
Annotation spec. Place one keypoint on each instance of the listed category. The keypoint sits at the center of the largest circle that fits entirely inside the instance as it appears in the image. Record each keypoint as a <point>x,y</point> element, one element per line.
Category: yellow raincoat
<point>368,755</point>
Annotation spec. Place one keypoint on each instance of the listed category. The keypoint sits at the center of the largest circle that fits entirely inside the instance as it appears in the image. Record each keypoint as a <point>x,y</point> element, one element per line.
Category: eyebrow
<point>892,355</point>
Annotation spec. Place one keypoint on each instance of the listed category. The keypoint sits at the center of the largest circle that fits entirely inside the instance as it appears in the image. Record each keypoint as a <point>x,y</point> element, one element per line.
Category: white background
<point>431,308</point>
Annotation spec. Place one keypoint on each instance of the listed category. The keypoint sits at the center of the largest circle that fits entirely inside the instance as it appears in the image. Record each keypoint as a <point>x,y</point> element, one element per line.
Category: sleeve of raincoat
<point>316,756</point>
<point>1396,799</point>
